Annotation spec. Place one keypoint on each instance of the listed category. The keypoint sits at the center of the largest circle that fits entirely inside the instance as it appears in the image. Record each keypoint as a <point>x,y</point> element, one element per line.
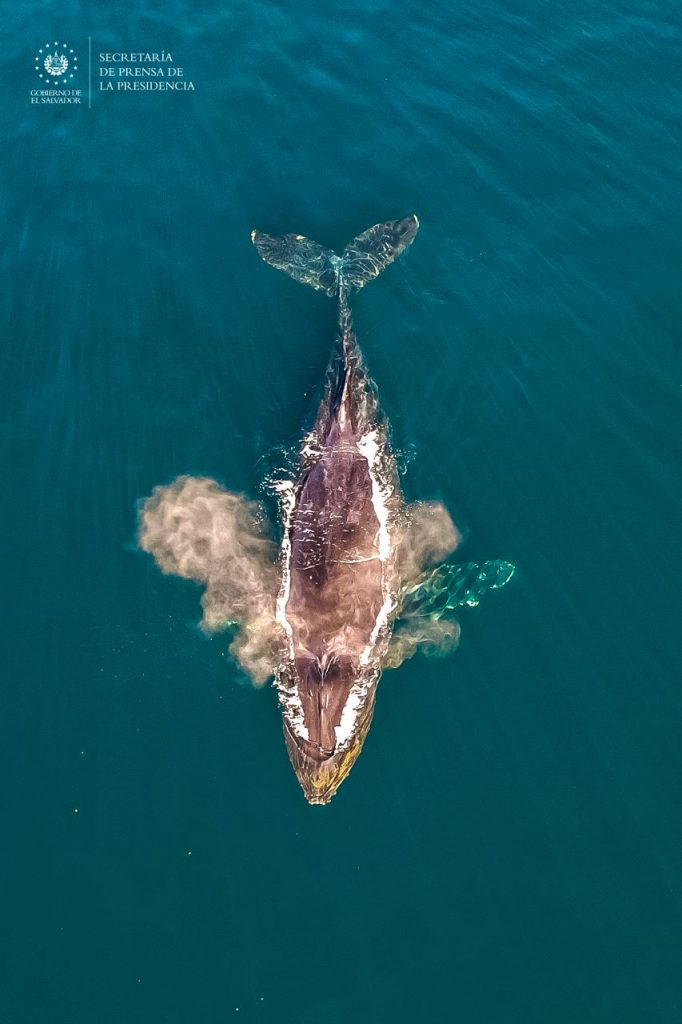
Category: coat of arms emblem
<point>56,60</point>
<point>56,63</point>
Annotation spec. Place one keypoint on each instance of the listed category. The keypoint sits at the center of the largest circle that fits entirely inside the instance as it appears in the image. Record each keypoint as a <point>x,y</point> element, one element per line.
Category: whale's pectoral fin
<point>375,249</point>
<point>448,587</point>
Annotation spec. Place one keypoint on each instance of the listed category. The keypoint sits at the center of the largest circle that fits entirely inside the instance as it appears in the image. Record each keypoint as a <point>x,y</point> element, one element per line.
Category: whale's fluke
<point>304,260</point>
<point>363,259</point>
<point>375,249</point>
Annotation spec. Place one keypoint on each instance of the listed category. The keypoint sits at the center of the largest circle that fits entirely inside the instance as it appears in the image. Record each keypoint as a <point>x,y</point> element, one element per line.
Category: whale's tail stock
<point>363,259</point>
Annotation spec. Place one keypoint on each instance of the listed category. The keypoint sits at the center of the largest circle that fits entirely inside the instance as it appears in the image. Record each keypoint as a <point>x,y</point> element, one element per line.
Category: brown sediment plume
<point>426,536</point>
<point>196,529</point>
<point>436,638</point>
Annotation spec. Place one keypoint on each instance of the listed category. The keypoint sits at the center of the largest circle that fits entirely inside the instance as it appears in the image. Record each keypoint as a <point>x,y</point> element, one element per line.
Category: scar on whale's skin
<point>357,584</point>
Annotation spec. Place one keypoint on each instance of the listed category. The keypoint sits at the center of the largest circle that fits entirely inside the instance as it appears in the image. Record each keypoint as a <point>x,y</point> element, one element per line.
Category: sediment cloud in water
<point>436,638</point>
<point>196,529</point>
<point>426,537</point>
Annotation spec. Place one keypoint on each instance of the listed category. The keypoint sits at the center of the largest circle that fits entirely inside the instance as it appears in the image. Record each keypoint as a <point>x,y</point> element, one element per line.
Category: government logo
<point>56,62</point>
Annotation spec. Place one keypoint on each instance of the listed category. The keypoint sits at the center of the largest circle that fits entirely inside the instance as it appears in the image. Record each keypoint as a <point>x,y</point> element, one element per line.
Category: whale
<point>356,582</point>
<point>339,583</point>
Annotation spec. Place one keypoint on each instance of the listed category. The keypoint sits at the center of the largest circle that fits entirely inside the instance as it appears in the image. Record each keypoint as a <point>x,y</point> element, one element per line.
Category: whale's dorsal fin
<point>363,259</point>
<point>450,586</point>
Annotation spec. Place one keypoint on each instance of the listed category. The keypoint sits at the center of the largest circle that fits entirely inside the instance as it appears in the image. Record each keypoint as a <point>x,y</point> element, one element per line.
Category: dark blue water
<point>507,848</point>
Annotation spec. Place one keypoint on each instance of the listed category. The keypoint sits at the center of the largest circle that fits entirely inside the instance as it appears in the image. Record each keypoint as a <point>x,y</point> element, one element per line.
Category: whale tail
<point>362,259</point>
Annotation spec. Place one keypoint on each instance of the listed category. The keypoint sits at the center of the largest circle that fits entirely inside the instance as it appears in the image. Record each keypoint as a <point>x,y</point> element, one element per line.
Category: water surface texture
<point>507,848</point>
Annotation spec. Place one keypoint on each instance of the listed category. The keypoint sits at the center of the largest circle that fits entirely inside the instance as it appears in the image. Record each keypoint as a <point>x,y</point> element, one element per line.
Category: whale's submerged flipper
<point>363,259</point>
<point>448,587</point>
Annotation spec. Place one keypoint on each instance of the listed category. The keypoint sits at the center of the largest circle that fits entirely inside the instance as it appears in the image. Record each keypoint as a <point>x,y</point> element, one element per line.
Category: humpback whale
<point>355,587</point>
<point>339,584</point>
<point>342,524</point>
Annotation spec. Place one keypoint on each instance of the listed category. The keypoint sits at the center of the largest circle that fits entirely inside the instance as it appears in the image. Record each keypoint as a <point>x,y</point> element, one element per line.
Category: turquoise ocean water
<point>507,848</point>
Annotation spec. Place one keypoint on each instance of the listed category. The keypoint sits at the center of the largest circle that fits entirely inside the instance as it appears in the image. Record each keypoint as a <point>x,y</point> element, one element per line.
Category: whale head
<point>327,709</point>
